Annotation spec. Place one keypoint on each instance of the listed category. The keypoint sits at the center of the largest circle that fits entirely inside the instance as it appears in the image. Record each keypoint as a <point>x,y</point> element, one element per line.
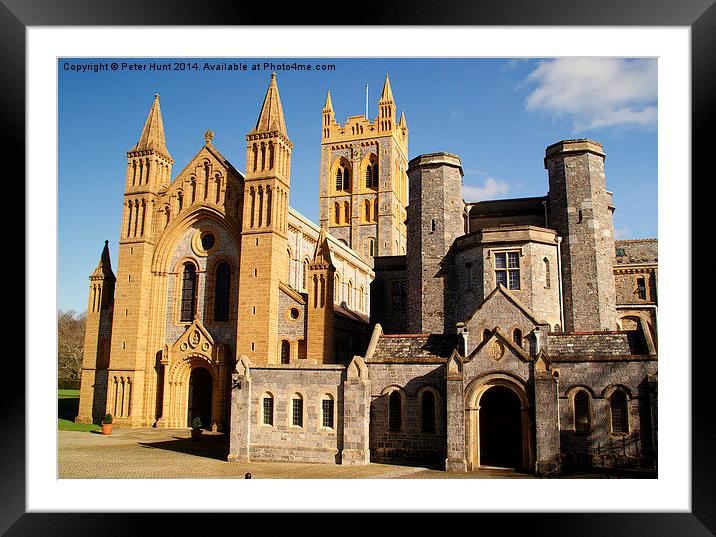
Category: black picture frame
<point>699,15</point>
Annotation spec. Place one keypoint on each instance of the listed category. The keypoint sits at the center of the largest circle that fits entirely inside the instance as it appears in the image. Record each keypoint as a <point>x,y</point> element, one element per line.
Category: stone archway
<point>501,401</point>
<point>200,397</point>
<point>500,432</point>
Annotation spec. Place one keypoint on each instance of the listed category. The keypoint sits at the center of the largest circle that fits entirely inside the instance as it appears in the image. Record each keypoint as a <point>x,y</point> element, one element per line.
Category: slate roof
<point>344,311</point>
<point>415,348</point>
<point>636,251</point>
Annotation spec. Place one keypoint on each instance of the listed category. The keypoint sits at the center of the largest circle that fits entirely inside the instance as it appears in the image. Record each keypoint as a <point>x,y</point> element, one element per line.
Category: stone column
<point>547,441</point>
<point>356,414</point>
<point>455,401</point>
<point>240,433</point>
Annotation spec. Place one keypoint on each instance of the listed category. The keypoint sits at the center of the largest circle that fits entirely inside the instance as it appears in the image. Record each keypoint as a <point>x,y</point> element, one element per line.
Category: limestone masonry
<point>409,326</point>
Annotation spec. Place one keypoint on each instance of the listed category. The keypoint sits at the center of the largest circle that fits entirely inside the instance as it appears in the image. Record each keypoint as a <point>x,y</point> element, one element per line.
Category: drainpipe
<point>559,279</point>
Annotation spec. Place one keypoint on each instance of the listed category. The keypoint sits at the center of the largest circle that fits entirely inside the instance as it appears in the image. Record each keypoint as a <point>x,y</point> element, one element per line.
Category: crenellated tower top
<point>360,127</point>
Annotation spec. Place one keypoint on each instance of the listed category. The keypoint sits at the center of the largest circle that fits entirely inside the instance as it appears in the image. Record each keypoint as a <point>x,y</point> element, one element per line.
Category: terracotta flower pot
<point>106,428</point>
<point>196,434</point>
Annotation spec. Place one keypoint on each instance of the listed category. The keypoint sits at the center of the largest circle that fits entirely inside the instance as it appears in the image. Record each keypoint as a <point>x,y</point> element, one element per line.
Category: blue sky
<point>498,115</point>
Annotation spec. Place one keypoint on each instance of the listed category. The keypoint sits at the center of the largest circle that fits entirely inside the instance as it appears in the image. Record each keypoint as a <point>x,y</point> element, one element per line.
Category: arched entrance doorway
<point>501,428</point>
<point>200,397</point>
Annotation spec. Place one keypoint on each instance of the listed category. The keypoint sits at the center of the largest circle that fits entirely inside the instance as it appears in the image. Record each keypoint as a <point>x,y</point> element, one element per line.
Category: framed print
<point>52,57</point>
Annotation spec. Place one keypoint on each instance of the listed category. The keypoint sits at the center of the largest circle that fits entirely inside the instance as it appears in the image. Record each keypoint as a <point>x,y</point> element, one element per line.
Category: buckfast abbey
<point>408,326</point>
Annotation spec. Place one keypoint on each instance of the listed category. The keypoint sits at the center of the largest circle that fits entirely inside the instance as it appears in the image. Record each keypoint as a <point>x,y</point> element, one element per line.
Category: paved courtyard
<point>170,453</point>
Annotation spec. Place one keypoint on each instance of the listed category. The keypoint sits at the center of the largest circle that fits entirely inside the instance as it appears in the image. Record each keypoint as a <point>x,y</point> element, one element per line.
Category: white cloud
<point>622,233</point>
<point>596,92</point>
<point>492,188</point>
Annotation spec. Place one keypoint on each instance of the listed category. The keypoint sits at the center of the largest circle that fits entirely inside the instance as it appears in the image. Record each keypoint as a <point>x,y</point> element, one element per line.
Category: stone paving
<point>170,453</point>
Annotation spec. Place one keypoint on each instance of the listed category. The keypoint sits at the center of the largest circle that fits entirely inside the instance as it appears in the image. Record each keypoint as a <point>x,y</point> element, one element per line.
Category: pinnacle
<point>329,104</point>
<point>104,267</point>
<point>387,95</point>
<point>271,116</point>
<point>152,137</point>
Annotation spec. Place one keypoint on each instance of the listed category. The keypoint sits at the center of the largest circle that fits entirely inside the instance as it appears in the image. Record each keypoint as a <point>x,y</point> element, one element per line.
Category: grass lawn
<point>68,404</point>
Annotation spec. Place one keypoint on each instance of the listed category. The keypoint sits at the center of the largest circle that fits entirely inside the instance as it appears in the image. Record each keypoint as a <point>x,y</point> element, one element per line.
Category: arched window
<point>346,213</point>
<point>188,293</point>
<point>350,293</point>
<point>361,298</point>
<point>370,247</point>
<point>337,213</point>
<point>486,334</point>
<point>618,407</point>
<point>337,289</point>
<point>371,175</point>
<point>327,411</point>
<point>395,417</point>
<point>581,412</point>
<point>433,224</point>
<point>267,409</point>
<point>339,179</point>
<point>285,352</point>
<point>547,276</point>
<point>366,205</point>
<point>221,298</point>
<point>297,410</point>
<point>375,210</point>
<point>427,409</point>
<point>517,337</point>
<point>346,179</point>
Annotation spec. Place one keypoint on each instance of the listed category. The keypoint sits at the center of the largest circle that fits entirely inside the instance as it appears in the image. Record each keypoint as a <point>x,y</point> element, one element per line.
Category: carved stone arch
<point>386,394</point>
<point>344,164</point>
<point>175,232</point>
<point>473,395</point>
<point>610,389</point>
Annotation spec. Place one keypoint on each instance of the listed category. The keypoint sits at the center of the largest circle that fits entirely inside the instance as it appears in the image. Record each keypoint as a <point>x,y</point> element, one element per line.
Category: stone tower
<point>364,185</point>
<point>98,335</point>
<point>319,333</point>
<point>580,210</point>
<point>148,171</point>
<point>264,231</point>
<point>435,220</point>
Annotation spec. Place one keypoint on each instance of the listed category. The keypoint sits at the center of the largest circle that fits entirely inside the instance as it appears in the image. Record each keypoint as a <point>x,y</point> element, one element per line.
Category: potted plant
<point>196,428</point>
<point>107,424</point>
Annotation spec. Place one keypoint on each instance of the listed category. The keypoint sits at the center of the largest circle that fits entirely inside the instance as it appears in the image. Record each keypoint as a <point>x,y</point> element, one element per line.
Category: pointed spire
<point>152,136</point>
<point>104,267</point>
<point>329,105</point>
<point>403,122</point>
<point>271,116</point>
<point>387,95</point>
<point>322,253</point>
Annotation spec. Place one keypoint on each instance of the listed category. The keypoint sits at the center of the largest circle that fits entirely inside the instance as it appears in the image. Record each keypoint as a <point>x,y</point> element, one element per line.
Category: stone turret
<point>435,220</point>
<point>98,335</point>
<point>580,210</point>
<point>319,336</point>
<point>264,231</point>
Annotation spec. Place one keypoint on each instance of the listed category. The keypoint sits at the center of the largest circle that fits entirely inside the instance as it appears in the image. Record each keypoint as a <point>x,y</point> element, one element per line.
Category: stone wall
<point>599,446</point>
<point>410,443</point>
<point>253,439</point>
<point>389,294</point>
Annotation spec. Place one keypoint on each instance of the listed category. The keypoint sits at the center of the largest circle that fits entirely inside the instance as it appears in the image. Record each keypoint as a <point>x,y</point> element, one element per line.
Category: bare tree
<point>70,343</point>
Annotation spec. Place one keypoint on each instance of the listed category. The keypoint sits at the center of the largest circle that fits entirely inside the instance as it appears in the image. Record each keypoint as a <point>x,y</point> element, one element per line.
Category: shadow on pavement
<point>68,407</point>
<point>214,446</point>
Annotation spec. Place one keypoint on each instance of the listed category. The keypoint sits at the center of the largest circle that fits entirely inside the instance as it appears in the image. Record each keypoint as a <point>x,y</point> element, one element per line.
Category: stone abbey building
<point>409,326</point>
